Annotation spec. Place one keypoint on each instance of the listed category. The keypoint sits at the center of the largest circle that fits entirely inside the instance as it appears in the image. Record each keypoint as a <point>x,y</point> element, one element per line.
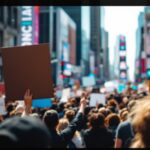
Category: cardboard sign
<point>121,88</point>
<point>66,93</point>
<point>27,67</point>
<point>96,98</point>
<point>42,103</point>
<point>2,106</point>
<point>88,81</point>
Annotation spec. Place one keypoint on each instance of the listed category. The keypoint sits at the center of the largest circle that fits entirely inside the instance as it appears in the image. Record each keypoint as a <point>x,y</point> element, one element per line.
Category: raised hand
<point>28,101</point>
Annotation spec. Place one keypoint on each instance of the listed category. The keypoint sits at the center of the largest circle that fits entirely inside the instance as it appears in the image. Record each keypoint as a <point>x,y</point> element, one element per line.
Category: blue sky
<point>123,20</point>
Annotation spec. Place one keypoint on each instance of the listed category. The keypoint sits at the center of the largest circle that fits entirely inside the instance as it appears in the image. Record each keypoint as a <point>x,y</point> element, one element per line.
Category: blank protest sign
<point>88,81</point>
<point>96,98</point>
<point>66,93</point>
<point>27,67</point>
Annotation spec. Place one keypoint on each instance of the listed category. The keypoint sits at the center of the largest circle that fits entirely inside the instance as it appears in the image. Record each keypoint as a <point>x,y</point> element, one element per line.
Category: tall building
<point>147,39</point>
<point>116,59</point>
<point>8,29</point>
<point>106,58</point>
<point>47,35</point>
<point>120,62</point>
<point>95,35</point>
<point>64,45</point>
<point>75,13</point>
<point>140,70</point>
<point>46,26</point>
<point>81,16</point>
<point>85,55</point>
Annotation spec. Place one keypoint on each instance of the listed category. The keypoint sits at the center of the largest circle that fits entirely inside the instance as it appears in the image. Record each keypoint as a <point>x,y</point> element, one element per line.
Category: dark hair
<point>69,114</point>
<point>51,119</point>
<point>100,105</point>
<point>60,107</point>
<point>113,120</point>
<point>96,120</point>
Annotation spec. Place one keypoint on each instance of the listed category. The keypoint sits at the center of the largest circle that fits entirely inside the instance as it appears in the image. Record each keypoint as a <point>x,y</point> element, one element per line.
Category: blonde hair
<point>141,124</point>
<point>63,123</point>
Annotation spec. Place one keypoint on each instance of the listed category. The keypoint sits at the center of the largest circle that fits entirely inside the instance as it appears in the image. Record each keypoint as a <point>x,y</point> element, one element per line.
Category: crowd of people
<point>123,122</point>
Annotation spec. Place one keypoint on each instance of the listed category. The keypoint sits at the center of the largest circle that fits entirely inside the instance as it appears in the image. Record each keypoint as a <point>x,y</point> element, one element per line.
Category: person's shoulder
<point>123,126</point>
<point>125,123</point>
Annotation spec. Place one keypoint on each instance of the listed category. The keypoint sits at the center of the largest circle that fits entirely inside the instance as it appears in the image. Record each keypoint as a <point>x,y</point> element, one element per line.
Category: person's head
<point>141,124</point>
<point>112,103</point>
<point>125,100</point>
<point>35,115</point>
<point>94,110</point>
<point>72,101</point>
<point>111,108</point>
<point>60,107</point>
<point>51,119</point>
<point>131,105</point>
<point>100,106</point>
<point>70,114</point>
<point>103,111</point>
<point>112,120</point>
<point>63,123</point>
<point>19,132</point>
<point>19,110</point>
<point>124,115</point>
<point>96,120</point>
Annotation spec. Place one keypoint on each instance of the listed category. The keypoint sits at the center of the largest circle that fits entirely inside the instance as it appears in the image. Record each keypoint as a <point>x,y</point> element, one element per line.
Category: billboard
<point>26,28</point>
<point>29,25</point>
<point>36,13</point>
<point>122,58</point>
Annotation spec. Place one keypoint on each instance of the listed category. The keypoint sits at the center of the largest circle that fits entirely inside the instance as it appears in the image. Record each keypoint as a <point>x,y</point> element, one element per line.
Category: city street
<point>75,76</point>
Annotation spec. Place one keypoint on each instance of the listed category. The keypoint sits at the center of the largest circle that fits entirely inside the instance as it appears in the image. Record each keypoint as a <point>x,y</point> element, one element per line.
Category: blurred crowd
<point>123,122</point>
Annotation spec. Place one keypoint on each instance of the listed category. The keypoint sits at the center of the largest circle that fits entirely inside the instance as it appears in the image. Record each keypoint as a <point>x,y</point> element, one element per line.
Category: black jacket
<point>98,138</point>
<point>62,140</point>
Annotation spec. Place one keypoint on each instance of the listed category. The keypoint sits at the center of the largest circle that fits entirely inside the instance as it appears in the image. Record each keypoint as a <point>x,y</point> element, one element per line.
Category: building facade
<point>140,70</point>
<point>147,40</point>
<point>9,27</point>
<point>95,36</point>
<point>64,45</point>
<point>81,16</point>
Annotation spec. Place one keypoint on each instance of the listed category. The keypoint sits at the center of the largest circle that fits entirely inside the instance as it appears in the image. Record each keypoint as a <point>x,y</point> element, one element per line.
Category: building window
<point>9,17</point>
<point>1,14</point>
<point>1,38</point>
<point>15,40</point>
<point>15,18</point>
<point>44,27</point>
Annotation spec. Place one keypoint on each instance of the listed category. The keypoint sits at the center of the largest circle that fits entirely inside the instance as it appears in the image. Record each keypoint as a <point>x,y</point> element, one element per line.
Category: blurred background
<point>104,43</point>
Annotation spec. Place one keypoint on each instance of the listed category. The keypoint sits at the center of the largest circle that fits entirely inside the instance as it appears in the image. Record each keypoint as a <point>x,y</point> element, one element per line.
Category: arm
<point>28,103</point>
<point>68,133</point>
<point>118,143</point>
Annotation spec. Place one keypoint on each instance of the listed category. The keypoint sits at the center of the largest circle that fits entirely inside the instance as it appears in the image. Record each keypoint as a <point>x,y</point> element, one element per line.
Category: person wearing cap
<point>51,120</point>
<point>24,132</point>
